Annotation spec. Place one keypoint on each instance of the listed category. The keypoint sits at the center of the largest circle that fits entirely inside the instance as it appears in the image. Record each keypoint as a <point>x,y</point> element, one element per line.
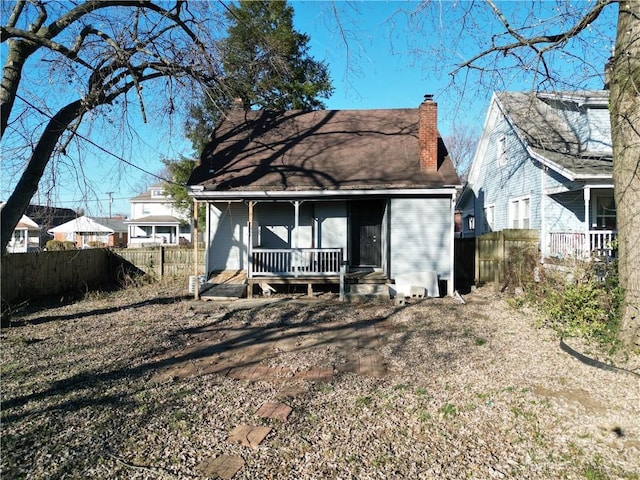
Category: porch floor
<point>231,284</point>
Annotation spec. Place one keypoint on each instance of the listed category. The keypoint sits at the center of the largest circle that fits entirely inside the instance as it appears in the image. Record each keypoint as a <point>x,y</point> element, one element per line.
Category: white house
<point>88,232</point>
<point>26,235</point>
<point>293,197</point>
<point>156,221</point>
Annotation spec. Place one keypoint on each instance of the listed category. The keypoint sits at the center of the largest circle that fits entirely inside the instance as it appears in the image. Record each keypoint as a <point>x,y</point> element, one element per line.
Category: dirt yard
<point>147,383</point>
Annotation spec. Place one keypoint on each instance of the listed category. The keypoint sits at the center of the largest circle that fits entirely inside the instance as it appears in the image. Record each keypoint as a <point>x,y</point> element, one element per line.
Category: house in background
<point>88,232</point>
<point>291,196</point>
<point>49,217</point>
<point>26,235</point>
<point>156,221</point>
<point>544,162</point>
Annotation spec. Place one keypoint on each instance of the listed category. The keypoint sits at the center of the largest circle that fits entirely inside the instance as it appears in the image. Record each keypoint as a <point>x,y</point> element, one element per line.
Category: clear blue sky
<point>392,57</point>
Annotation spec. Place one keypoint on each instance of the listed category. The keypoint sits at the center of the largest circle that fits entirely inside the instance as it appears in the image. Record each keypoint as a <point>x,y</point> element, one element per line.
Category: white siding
<point>276,221</point>
<point>599,139</point>
<point>421,235</point>
<point>229,236</point>
<point>331,225</point>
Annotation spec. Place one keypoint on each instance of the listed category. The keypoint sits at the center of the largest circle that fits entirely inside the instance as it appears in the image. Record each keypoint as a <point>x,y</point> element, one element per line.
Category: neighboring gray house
<point>544,162</point>
<point>290,196</point>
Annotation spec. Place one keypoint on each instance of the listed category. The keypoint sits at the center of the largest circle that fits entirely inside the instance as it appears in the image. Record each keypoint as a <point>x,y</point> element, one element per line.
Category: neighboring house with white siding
<point>291,196</point>
<point>26,235</point>
<point>156,221</point>
<point>544,162</point>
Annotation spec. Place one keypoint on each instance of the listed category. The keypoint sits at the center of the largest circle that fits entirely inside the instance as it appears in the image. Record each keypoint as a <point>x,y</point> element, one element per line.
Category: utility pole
<point>110,201</point>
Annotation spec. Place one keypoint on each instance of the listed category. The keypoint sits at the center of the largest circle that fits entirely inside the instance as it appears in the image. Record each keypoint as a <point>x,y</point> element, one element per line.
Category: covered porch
<point>311,242</point>
<point>590,232</point>
<point>157,230</point>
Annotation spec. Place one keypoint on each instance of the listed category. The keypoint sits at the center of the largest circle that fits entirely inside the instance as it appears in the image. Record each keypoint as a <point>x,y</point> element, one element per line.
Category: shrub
<point>57,245</point>
<point>68,245</point>
<point>587,306</point>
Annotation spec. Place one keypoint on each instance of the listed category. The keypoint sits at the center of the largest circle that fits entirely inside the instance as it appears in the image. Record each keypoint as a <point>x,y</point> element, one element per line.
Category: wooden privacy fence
<point>163,260</point>
<point>493,251</point>
<point>28,276</point>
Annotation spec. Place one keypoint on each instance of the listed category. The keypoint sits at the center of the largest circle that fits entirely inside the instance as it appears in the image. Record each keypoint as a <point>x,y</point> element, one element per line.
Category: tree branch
<point>550,42</point>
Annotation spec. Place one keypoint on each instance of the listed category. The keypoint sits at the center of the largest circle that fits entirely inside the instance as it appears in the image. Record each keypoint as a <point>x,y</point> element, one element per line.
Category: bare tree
<point>461,143</point>
<point>72,63</point>
<point>527,44</point>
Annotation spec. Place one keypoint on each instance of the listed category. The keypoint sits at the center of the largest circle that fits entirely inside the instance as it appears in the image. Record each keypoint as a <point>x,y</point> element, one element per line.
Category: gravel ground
<point>136,384</point>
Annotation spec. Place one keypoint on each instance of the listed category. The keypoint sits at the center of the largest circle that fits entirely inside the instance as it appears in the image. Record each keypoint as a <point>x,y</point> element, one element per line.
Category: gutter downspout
<point>452,236</point>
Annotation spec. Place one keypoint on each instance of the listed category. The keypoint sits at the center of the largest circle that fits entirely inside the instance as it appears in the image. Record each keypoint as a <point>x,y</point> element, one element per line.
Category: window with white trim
<point>489,218</point>
<point>605,212</point>
<point>520,212</point>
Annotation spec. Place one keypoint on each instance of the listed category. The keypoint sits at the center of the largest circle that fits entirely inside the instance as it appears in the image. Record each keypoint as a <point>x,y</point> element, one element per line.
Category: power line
<point>99,147</point>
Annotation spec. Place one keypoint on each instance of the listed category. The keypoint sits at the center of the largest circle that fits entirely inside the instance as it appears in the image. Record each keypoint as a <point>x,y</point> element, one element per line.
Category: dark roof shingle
<point>547,123</point>
<point>319,150</point>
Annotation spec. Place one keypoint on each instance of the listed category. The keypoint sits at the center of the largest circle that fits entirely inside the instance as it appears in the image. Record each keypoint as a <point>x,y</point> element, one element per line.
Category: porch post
<point>296,234</point>
<point>587,239</point>
<point>196,283</point>
<point>250,242</point>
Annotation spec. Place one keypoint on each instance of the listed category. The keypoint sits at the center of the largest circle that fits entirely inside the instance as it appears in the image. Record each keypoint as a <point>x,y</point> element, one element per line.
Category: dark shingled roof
<point>548,130</point>
<point>319,150</point>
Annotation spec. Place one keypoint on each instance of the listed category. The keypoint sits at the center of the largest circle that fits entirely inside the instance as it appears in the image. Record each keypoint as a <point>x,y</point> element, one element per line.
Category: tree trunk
<point>625,133</point>
<point>28,184</point>
<point>11,74</point>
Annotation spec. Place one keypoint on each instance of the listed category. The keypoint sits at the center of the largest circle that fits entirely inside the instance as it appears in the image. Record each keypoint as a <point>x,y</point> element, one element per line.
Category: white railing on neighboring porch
<point>295,262</point>
<point>573,244</point>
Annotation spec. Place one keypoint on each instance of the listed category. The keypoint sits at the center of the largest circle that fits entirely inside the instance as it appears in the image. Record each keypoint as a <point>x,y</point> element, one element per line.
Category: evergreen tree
<point>266,64</point>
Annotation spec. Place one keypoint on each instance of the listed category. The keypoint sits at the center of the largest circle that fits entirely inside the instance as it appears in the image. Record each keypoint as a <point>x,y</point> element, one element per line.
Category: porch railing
<point>295,262</point>
<point>573,244</point>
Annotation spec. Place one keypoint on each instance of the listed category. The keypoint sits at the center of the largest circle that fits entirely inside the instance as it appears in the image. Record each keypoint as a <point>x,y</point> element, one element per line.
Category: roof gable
<point>87,224</point>
<point>562,129</point>
<point>319,150</point>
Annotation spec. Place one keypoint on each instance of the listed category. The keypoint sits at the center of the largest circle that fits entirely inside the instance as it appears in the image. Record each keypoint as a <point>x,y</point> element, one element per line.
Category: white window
<point>502,151</point>
<point>489,218</point>
<point>146,209</point>
<point>520,212</point>
<point>156,192</point>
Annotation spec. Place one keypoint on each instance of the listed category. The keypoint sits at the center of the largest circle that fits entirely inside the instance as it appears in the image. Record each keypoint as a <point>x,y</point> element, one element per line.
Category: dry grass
<point>132,384</point>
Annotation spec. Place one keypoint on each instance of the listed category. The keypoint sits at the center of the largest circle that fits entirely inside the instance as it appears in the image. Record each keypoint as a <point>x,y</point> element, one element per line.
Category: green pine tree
<point>266,65</point>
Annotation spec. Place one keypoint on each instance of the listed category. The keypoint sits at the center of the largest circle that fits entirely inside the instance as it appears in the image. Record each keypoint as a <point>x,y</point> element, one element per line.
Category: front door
<point>366,233</point>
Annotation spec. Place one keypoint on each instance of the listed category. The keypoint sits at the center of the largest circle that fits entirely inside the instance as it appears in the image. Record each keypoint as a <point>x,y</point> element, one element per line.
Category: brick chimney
<point>428,134</point>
